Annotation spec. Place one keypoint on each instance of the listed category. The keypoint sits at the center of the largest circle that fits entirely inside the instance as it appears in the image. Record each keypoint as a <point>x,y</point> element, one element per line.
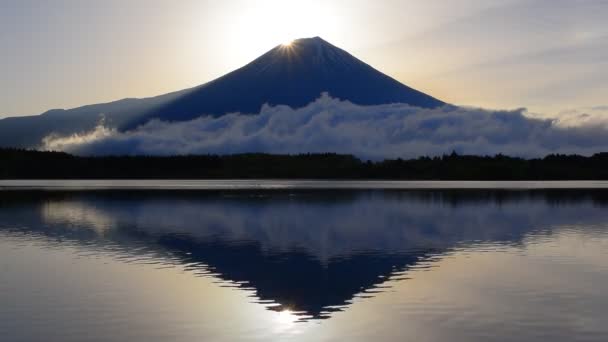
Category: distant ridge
<point>293,75</point>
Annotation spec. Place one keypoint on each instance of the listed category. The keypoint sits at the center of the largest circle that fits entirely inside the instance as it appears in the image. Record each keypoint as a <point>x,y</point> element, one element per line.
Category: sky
<point>546,55</point>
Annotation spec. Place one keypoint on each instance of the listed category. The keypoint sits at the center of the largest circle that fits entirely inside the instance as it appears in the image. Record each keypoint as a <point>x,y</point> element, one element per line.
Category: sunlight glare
<point>286,317</point>
<point>261,25</point>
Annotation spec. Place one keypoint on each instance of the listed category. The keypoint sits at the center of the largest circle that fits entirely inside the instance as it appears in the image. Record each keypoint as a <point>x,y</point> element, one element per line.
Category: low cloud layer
<point>376,132</point>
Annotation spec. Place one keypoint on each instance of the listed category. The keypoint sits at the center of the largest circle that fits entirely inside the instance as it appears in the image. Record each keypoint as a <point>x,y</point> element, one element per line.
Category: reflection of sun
<point>286,317</point>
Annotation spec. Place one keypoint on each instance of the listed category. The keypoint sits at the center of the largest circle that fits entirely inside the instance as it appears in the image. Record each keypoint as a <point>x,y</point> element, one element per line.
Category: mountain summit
<point>292,74</point>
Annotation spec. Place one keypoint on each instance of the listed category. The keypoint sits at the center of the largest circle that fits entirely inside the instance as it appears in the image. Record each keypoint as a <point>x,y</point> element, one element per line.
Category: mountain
<point>293,75</point>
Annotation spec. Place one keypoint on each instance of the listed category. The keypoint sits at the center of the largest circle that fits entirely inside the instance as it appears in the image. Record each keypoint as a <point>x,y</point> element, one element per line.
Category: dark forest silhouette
<point>28,164</point>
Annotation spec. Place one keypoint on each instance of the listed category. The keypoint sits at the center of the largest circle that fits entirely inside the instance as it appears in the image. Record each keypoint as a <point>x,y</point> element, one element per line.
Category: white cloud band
<point>331,125</point>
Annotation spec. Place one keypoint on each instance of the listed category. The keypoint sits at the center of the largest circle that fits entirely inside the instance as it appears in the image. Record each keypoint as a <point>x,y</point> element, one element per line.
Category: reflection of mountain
<point>294,279</point>
<point>309,251</point>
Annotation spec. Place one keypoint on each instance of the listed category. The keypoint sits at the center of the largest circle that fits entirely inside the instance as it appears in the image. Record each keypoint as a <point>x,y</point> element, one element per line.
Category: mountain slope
<point>29,131</point>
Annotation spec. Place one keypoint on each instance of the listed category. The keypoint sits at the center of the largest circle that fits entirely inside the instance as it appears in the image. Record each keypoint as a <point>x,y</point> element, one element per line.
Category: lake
<point>303,261</point>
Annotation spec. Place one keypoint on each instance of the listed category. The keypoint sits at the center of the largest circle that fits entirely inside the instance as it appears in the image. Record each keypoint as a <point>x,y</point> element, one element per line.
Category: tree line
<point>30,164</point>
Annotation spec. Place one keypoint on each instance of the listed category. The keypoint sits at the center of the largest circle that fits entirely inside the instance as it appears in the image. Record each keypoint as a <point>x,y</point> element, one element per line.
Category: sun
<point>257,26</point>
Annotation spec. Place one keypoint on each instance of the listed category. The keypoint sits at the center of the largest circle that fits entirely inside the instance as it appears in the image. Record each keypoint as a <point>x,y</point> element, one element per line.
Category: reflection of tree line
<point>22,164</point>
<point>454,197</point>
<point>206,229</point>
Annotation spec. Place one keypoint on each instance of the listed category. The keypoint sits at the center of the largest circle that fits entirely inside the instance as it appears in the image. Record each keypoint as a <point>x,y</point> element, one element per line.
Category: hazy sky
<point>547,55</point>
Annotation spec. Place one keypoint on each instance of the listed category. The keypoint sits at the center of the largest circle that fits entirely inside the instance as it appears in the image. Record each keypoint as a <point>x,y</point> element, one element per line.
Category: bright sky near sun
<point>547,55</point>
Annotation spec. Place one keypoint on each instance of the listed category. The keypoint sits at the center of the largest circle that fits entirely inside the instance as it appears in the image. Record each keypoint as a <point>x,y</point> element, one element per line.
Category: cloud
<point>375,132</point>
<point>584,117</point>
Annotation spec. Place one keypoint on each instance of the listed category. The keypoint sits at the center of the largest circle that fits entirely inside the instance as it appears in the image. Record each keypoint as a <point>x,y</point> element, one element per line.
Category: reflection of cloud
<point>77,214</point>
<point>364,223</point>
<point>331,125</point>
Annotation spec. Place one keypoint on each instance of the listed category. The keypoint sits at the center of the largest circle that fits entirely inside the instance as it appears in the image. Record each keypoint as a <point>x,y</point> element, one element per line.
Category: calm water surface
<point>304,265</point>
